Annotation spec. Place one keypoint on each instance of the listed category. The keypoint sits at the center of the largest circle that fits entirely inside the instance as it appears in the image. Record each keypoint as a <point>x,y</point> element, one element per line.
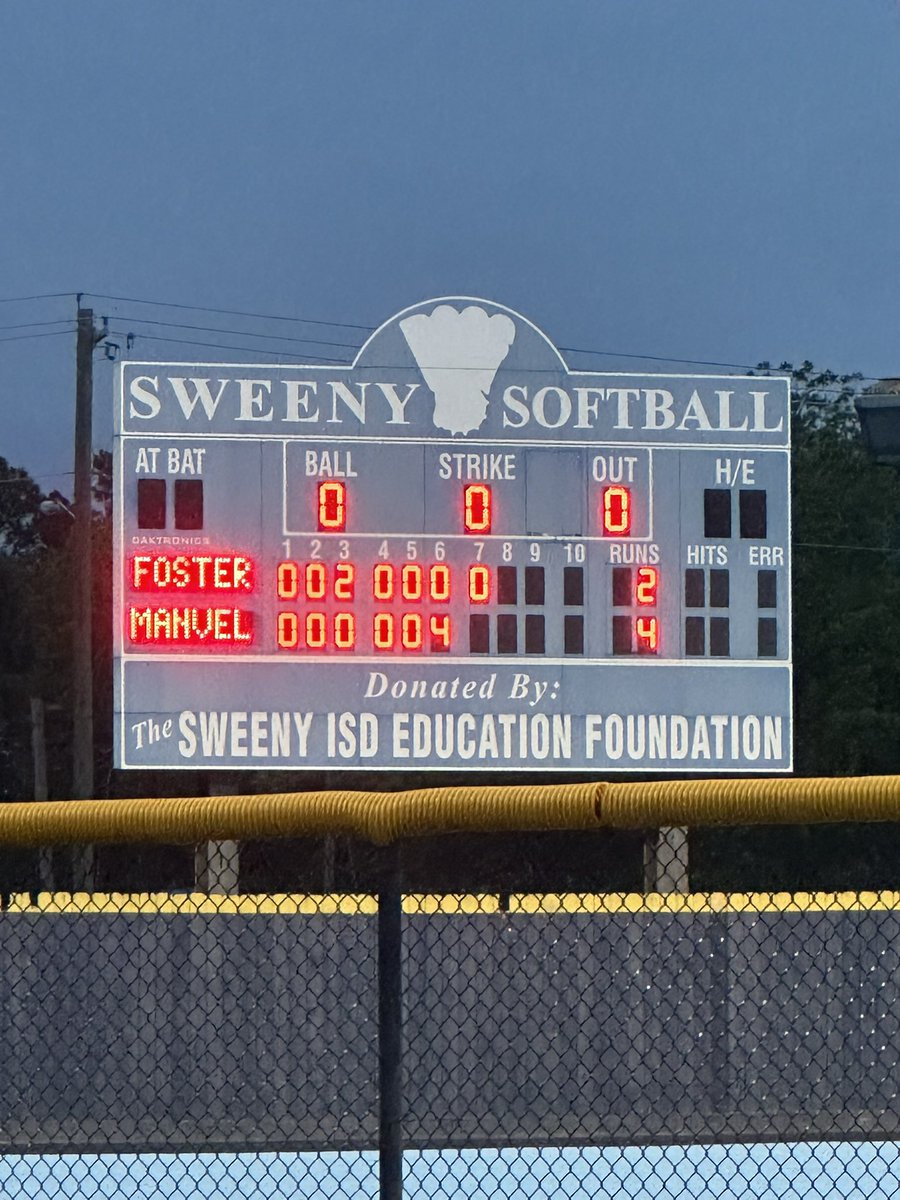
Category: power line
<point>41,296</point>
<point>31,477</point>
<point>344,325</point>
<point>272,337</point>
<point>22,337</point>
<point>369,329</point>
<point>35,324</point>
<point>231,312</point>
<point>698,362</point>
<point>218,346</point>
<point>832,390</point>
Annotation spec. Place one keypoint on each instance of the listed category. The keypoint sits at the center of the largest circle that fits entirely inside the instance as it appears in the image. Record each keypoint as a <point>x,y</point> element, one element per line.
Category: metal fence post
<point>390,1033</point>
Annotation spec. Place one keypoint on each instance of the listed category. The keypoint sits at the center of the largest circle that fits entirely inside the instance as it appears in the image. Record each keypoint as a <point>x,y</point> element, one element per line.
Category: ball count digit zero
<point>456,554</point>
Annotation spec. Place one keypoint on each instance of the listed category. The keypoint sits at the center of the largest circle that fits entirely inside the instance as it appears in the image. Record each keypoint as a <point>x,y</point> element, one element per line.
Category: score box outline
<point>223,428</point>
<point>486,537</point>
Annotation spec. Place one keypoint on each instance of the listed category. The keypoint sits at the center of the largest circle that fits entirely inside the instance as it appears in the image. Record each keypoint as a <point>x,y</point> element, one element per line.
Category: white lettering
<point>202,394</point>
<point>516,406</point>
<point>297,400</point>
<point>254,393</point>
<point>143,395</point>
<point>397,406</point>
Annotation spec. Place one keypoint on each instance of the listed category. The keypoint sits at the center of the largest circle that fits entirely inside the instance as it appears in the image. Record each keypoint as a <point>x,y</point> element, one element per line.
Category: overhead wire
<point>370,329</point>
<point>697,362</point>
<point>36,324</point>
<point>230,312</point>
<point>218,346</point>
<point>271,337</point>
<point>348,325</point>
<point>40,296</point>
<point>21,337</point>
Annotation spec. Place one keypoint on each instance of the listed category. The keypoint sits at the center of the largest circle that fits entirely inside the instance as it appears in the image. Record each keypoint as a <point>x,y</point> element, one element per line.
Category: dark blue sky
<point>686,178</point>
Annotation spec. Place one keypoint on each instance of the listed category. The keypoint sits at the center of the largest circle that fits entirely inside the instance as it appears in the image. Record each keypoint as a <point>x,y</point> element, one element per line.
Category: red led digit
<point>411,581</point>
<point>332,506</point>
<point>316,579</point>
<point>646,585</point>
<point>479,584</point>
<point>316,631</point>
<point>615,511</point>
<point>383,631</point>
<point>647,630</point>
<point>288,581</point>
<point>383,582</point>
<point>344,581</point>
<point>439,628</point>
<point>288,631</point>
<point>477,508</point>
<point>344,631</point>
<point>411,631</point>
<point>439,583</point>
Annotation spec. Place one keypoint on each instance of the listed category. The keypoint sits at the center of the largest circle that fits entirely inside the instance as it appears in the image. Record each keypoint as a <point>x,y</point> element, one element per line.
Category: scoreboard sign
<point>456,553</point>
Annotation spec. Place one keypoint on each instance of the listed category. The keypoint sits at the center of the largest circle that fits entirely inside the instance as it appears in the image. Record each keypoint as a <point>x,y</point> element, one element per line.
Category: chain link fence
<point>506,1044</point>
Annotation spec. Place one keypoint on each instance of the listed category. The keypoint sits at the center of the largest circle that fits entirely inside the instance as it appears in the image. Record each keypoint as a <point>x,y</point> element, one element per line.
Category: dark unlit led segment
<point>694,588</point>
<point>573,586</point>
<point>507,634</point>
<point>753,513</point>
<point>694,636</point>
<point>479,634</point>
<point>534,633</point>
<point>716,513</point>
<point>621,635</point>
<point>766,589</point>
<point>534,585</point>
<point>621,587</point>
<point>151,503</point>
<point>573,634</point>
<point>188,503</point>
<point>767,637</point>
<point>718,589</point>
<point>507,587</point>
<point>719,639</point>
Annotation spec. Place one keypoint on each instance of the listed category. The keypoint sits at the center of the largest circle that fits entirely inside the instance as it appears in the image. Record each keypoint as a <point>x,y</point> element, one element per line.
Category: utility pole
<point>82,606</point>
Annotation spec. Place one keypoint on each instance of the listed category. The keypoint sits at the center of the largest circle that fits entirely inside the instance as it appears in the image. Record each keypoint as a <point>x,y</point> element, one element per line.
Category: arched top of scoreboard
<point>453,367</point>
<point>458,328</point>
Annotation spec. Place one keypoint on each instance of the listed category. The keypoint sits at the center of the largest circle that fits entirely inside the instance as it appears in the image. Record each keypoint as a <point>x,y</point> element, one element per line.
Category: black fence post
<point>390,1033</point>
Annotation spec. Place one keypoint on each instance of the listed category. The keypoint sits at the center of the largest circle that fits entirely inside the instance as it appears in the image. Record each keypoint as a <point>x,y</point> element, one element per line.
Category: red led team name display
<point>190,577</point>
<point>202,573</point>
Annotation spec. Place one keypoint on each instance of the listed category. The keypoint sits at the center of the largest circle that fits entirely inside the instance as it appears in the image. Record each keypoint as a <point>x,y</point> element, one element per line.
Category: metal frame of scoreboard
<point>454,554</point>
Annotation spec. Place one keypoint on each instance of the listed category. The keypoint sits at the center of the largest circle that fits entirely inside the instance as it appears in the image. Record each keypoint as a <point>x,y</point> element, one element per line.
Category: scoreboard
<point>455,553</point>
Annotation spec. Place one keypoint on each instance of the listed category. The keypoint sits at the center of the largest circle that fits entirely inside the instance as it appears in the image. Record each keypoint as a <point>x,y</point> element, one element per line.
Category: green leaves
<point>846,586</point>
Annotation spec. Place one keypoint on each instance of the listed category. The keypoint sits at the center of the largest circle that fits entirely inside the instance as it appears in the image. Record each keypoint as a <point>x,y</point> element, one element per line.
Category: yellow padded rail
<point>192,904</point>
<point>750,801</point>
<point>385,816</point>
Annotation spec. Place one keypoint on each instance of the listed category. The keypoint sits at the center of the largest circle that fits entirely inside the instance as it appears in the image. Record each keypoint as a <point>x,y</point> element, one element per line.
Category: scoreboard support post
<point>666,860</point>
<point>217,864</point>
<point>217,867</point>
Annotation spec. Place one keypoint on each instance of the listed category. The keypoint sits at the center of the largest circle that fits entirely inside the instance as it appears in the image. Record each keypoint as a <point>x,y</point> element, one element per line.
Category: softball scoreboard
<point>455,553</point>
